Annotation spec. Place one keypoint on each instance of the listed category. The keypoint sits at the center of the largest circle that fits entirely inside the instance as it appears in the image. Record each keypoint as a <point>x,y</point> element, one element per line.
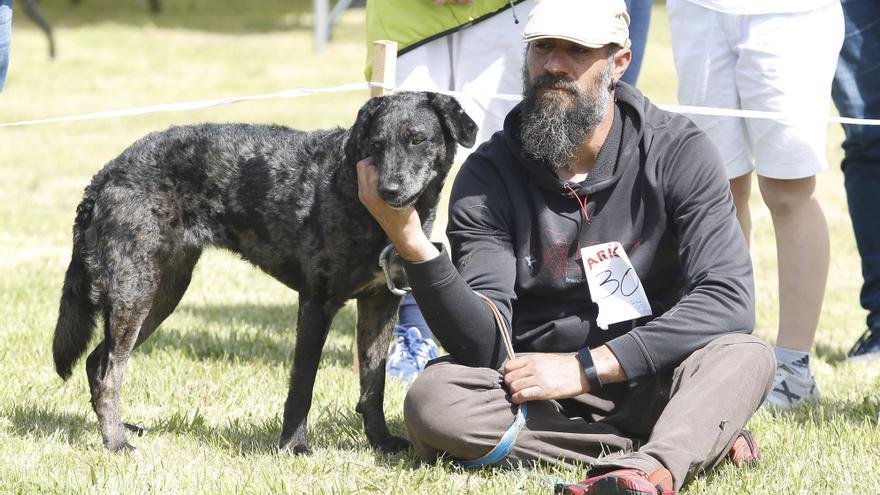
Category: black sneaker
<point>867,347</point>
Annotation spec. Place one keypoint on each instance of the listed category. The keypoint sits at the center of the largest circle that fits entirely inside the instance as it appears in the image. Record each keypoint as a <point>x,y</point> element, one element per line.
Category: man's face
<point>566,93</point>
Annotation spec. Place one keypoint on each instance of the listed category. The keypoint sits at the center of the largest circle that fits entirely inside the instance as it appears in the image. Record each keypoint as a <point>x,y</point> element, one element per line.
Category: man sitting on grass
<point>603,230</point>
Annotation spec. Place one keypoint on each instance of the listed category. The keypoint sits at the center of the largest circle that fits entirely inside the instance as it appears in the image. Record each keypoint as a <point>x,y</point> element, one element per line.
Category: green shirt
<point>413,22</point>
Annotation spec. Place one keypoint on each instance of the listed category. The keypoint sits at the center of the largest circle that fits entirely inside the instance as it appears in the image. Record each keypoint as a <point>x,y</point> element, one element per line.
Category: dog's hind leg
<point>132,286</point>
<point>375,324</point>
<point>105,367</point>
<point>175,279</point>
<point>313,323</point>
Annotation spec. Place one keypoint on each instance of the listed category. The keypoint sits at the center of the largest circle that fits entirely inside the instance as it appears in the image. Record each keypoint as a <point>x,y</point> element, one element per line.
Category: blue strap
<point>505,445</point>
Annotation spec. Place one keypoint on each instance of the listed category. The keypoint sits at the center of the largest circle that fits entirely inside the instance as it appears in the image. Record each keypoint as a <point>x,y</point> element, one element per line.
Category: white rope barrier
<point>190,105</point>
<point>299,92</point>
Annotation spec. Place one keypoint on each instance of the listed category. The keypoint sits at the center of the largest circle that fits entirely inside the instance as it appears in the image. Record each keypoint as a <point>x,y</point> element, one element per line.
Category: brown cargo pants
<point>685,420</point>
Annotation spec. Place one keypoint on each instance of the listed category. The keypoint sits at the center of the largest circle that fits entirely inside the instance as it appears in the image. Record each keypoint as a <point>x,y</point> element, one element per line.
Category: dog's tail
<point>76,314</point>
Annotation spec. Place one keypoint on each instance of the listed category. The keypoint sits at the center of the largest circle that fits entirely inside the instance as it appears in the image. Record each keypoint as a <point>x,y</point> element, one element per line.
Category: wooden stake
<point>384,67</point>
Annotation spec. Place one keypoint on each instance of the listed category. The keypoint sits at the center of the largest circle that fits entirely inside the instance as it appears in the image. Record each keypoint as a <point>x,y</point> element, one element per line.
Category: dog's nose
<point>389,189</point>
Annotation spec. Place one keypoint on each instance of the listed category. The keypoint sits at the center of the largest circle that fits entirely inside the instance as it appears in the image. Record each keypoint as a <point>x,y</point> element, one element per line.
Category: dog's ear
<point>357,147</point>
<point>455,121</point>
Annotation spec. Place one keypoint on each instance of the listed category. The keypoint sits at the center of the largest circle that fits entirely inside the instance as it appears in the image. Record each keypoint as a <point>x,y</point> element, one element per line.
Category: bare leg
<point>741,188</point>
<point>802,247</point>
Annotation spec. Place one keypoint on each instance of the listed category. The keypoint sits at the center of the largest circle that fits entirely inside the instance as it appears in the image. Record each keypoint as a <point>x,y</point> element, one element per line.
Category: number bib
<point>614,285</point>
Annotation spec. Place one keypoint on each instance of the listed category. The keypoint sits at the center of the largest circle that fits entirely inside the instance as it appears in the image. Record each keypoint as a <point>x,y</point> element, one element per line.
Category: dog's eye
<point>417,139</point>
<point>377,145</point>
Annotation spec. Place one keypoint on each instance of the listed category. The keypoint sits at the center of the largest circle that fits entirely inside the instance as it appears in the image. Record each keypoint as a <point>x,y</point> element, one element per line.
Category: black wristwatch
<point>590,372</point>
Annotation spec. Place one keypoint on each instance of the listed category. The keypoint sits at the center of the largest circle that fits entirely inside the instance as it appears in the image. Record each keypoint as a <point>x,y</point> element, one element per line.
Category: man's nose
<point>556,62</point>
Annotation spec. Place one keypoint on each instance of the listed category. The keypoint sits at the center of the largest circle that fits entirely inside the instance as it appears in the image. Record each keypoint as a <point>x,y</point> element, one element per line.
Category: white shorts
<point>773,62</point>
<point>483,59</point>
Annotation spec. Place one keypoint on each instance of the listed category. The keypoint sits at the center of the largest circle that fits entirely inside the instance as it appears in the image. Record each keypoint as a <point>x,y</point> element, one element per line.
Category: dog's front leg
<point>314,319</point>
<point>375,324</point>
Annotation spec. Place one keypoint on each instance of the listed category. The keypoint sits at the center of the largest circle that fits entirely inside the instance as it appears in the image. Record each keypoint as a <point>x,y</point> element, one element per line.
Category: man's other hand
<point>543,376</point>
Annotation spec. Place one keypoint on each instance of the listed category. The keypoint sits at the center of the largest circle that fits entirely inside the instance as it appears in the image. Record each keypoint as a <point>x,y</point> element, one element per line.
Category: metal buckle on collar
<point>384,263</point>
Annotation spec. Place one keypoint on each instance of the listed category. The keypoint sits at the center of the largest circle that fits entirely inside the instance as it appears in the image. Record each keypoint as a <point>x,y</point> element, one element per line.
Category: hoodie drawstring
<point>513,9</point>
<point>582,204</point>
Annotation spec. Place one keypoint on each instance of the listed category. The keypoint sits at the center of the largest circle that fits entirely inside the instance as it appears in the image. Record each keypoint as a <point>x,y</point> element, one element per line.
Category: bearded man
<point>603,231</point>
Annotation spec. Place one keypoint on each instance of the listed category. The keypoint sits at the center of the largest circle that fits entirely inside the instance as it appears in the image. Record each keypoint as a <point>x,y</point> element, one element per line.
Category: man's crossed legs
<point>684,421</point>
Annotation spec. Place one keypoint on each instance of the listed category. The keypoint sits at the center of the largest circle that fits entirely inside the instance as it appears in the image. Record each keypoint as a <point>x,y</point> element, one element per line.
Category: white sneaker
<point>792,386</point>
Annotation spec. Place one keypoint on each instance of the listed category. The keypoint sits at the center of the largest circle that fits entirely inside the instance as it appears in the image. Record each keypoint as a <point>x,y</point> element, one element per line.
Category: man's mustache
<point>554,81</point>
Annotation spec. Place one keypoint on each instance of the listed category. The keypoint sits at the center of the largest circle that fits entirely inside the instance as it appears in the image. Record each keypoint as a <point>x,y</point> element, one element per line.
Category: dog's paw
<point>294,445</point>
<point>392,445</point>
<point>121,447</point>
<point>295,448</point>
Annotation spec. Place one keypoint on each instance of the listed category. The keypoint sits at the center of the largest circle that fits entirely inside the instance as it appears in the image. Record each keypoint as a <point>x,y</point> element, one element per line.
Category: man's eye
<point>542,46</point>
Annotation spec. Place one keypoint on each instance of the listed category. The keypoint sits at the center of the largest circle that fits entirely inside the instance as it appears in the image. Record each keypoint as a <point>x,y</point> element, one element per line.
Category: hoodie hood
<point>625,127</point>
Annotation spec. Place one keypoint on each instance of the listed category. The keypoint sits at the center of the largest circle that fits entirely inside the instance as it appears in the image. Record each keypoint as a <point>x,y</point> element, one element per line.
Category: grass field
<point>211,383</point>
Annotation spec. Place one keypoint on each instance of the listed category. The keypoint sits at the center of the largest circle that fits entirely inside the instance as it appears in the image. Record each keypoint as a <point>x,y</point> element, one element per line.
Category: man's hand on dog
<point>403,226</point>
<point>544,376</point>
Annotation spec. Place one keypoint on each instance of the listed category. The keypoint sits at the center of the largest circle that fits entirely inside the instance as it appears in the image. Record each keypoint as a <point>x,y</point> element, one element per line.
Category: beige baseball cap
<point>591,23</point>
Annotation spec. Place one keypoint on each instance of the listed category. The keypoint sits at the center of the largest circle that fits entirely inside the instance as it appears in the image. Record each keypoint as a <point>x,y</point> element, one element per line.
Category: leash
<point>508,440</point>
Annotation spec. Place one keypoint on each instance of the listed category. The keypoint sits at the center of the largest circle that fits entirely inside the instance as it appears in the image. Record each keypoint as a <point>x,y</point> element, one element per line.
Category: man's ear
<point>356,147</point>
<point>456,123</point>
<point>622,59</point>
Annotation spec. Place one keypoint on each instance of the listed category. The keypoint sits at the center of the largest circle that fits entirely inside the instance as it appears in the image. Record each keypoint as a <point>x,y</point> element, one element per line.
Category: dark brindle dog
<point>284,200</point>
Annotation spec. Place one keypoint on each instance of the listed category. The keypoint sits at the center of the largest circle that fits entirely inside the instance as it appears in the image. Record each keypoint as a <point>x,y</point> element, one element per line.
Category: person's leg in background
<point>5,38</point>
<point>413,345</point>
<point>786,64</point>
<point>639,20</point>
<point>856,94</point>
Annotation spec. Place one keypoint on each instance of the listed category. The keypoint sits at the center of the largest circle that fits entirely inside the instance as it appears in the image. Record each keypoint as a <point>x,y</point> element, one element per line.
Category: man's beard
<point>550,132</point>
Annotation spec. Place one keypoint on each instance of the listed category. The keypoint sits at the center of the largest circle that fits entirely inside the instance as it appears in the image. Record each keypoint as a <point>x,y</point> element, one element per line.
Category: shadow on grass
<point>331,428</point>
<point>43,422</point>
<point>828,411</point>
<point>830,354</point>
<point>265,334</point>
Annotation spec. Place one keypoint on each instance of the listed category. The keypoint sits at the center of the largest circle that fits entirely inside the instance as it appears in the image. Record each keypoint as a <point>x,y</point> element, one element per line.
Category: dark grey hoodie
<point>515,230</point>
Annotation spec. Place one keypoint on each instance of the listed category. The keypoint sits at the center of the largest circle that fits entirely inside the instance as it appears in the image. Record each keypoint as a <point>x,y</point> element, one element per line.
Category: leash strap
<point>508,440</point>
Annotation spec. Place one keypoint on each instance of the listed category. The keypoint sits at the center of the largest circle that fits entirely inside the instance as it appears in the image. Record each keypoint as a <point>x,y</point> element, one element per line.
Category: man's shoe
<point>792,386</point>
<point>622,482</point>
<point>409,354</point>
<point>867,347</point>
<point>745,451</point>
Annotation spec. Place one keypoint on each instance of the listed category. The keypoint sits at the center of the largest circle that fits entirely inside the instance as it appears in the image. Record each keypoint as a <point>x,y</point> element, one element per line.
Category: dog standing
<point>284,200</point>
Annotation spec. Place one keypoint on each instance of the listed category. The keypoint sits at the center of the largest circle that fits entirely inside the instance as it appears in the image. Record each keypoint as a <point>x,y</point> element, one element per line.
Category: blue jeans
<point>640,18</point>
<point>409,315</point>
<point>856,93</point>
<point>5,37</point>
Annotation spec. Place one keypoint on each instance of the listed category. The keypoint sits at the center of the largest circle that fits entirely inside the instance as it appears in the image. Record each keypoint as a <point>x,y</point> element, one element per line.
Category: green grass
<point>211,383</point>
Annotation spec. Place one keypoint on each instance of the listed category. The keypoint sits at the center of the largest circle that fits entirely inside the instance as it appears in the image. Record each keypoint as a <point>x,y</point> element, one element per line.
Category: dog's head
<point>412,137</point>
